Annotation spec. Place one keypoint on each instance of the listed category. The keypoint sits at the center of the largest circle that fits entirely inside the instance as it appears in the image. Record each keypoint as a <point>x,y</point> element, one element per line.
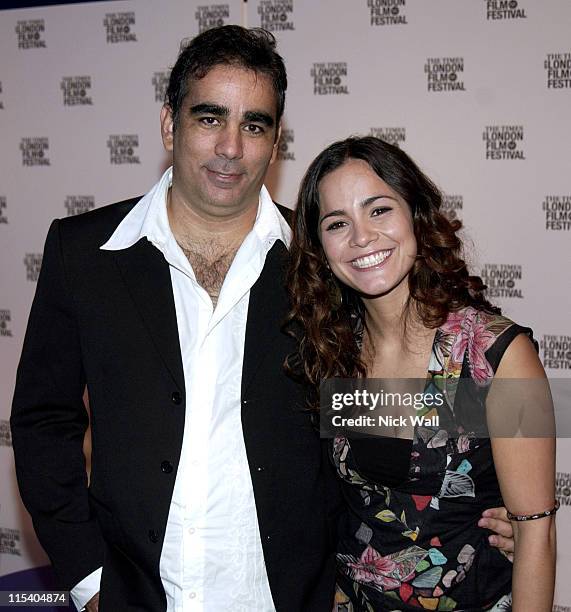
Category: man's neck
<point>191,227</point>
<point>209,244</point>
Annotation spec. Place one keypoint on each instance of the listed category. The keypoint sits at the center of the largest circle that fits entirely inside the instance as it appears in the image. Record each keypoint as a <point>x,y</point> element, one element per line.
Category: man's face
<point>225,139</point>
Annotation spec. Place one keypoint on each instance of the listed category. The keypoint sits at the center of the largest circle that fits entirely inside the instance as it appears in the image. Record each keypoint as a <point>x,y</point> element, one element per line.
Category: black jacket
<point>106,320</point>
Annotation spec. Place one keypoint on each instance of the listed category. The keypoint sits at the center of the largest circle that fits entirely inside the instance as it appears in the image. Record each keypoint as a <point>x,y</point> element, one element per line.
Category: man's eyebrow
<point>259,117</point>
<point>210,109</point>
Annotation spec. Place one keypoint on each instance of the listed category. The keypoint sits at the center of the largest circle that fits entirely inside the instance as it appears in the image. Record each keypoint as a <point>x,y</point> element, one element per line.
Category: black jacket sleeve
<point>48,424</point>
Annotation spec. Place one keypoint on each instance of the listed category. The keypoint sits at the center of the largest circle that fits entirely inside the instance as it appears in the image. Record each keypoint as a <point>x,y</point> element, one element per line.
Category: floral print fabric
<point>416,545</point>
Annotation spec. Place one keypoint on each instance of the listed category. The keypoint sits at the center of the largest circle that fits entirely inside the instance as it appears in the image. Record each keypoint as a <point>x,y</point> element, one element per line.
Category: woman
<point>379,290</point>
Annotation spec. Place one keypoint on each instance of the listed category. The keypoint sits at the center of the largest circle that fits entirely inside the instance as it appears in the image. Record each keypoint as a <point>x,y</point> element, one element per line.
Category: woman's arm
<point>525,466</point>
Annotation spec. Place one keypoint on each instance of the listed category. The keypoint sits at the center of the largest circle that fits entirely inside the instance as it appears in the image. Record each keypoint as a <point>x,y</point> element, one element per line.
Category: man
<point>208,489</point>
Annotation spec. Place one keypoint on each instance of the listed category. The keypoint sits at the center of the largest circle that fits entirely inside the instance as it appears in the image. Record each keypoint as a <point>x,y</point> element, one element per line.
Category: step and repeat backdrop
<point>478,92</point>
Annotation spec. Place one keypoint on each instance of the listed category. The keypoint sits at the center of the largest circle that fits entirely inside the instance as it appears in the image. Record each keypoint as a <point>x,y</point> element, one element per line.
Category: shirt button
<point>176,398</point>
<point>192,595</point>
<point>260,468</point>
<point>166,467</point>
<point>191,530</point>
<point>153,536</point>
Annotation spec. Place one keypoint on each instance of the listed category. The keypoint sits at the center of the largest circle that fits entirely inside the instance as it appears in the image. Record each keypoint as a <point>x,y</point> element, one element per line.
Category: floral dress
<point>410,539</point>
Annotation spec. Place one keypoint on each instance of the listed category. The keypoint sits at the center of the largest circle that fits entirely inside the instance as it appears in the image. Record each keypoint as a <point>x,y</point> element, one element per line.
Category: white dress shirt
<point>212,557</point>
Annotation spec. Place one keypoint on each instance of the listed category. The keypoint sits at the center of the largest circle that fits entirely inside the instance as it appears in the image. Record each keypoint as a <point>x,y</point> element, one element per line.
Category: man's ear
<point>167,127</point>
<point>276,143</point>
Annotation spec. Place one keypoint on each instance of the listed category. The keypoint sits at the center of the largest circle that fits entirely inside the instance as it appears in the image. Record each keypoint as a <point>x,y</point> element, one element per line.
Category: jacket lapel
<point>147,276</point>
<point>266,311</point>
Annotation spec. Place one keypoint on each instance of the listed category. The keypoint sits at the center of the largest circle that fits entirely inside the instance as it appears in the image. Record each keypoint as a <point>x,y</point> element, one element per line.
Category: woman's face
<point>366,230</point>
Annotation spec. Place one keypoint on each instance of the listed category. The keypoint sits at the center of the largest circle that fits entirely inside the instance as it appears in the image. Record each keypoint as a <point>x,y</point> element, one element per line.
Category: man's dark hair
<point>253,49</point>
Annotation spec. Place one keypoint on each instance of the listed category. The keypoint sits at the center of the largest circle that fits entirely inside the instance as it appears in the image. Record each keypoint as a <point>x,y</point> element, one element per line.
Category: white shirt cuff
<point>83,591</point>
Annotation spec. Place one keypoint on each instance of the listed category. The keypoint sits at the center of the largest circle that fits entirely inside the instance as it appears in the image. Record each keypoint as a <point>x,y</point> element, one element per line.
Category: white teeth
<point>371,260</point>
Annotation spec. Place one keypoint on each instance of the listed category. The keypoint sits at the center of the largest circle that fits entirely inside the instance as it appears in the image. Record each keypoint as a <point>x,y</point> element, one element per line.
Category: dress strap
<point>495,353</point>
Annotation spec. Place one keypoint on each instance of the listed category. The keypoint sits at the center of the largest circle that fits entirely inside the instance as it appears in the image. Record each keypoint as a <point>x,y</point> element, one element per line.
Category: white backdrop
<point>477,91</point>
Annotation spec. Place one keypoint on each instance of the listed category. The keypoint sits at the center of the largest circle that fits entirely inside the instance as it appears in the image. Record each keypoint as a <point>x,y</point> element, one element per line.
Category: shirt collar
<point>149,219</point>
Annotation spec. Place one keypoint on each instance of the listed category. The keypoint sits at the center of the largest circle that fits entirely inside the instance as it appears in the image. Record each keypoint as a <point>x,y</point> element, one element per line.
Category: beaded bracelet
<point>532,517</point>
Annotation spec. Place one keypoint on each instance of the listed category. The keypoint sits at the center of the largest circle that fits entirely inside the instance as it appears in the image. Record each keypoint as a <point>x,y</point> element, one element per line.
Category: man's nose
<point>229,144</point>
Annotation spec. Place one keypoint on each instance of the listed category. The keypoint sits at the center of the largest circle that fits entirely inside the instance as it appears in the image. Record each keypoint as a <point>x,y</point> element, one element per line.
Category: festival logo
<point>276,15</point>
<point>387,12</point>
<point>123,149</point>
<point>76,90</point>
<point>211,16</point>
<point>558,69</point>
<point>556,352</point>
<point>444,74</point>
<point>557,213</point>
<point>329,78</point>
<point>502,280</point>
<point>78,204</point>
<point>3,210</point>
<point>504,142</point>
<point>5,318</point>
<point>119,27</point>
<point>504,9</point>
<point>33,263</point>
<point>286,146</point>
<point>9,542</point>
<point>393,135</point>
<point>160,83</point>
<point>452,206</point>
<point>5,432</point>
<point>35,151</point>
<point>30,34</point>
<point>563,488</point>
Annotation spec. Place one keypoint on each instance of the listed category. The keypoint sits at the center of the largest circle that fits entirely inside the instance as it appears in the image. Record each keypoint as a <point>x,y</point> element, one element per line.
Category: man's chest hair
<point>210,262</point>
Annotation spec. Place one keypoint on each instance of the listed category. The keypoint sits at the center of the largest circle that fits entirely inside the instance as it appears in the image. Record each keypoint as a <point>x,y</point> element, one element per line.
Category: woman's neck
<point>389,316</point>
<point>397,344</point>
<point>393,323</point>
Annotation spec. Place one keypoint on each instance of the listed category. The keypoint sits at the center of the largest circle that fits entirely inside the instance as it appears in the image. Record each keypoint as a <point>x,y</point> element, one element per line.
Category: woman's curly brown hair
<point>326,316</point>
